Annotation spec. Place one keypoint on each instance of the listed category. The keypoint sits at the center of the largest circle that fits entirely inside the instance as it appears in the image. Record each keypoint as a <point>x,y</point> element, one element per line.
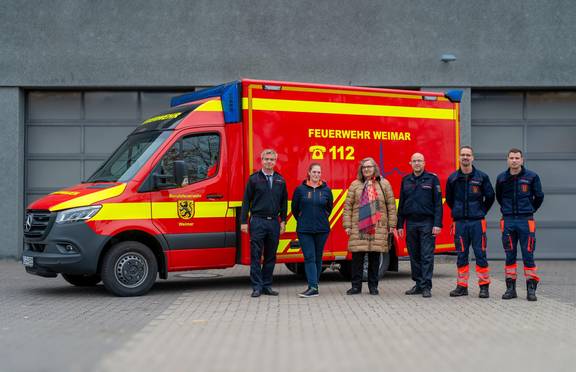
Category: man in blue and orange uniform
<point>519,193</point>
<point>266,198</point>
<point>469,194</point>
<point>420,206</point>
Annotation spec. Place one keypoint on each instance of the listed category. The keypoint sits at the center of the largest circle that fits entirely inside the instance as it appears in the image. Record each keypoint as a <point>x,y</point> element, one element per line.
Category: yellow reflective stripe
<point>123,211</point>
<point>201,210</point>
<point>95,197</point>
<point>162,210</point>
<point>231,212</point>
<point>264,104</point>
<point>235,204</point>
<point>214,105</point>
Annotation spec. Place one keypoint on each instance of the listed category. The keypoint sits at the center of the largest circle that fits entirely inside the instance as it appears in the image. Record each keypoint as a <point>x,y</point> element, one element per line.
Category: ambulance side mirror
<point>179,171</point>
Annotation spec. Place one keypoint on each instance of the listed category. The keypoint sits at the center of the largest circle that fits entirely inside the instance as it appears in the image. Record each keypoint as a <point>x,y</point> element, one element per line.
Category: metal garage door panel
<point>53,174</point>
<point>496,139</point>
<point>47,106</point>
<point>54,140</point>
<point>90,167</point>
<point>552,139</point>
<point>551,105</point>
<point>497,105</point>
<point>111,106</point>
<point>155,102</point>
<point>104,140</point>
<point>555,173</point>
<point>551,243</point>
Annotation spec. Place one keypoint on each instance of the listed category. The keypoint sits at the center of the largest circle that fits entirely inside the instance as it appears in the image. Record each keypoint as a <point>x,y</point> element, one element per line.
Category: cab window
<point>201,155</point>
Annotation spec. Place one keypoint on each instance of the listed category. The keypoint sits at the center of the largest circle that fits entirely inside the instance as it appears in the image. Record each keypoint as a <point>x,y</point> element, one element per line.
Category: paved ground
<point>208,322</point>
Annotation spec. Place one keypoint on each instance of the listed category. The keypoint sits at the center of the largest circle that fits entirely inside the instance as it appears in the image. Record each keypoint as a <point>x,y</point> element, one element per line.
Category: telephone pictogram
<point>317,152</point>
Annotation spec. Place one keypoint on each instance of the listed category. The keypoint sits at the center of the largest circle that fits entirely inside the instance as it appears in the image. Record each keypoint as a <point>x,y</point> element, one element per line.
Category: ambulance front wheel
<point>129,269</point>
<point>82,280</point>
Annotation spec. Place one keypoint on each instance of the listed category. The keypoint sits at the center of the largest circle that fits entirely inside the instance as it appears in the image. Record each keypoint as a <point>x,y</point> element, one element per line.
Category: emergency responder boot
<point>459,291</point>
<point>531,285</point>
<point>484,291</point>
<point>510,289</point>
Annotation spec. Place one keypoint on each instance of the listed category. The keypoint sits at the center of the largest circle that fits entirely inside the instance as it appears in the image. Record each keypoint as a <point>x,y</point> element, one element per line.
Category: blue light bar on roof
<point>454,95</point>
<point>229,94</point>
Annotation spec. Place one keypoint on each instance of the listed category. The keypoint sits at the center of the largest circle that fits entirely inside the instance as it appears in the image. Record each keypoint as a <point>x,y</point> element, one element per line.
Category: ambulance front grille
<point>37,224</point>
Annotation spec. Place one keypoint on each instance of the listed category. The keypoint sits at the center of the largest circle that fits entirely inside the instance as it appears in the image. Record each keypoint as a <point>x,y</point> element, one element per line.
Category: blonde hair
<point>268,152</point>
<point>360,176</point>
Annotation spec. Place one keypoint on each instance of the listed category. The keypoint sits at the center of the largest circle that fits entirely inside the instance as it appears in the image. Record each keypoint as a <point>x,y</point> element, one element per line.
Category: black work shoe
<point>374,291</point>
<point>459,291</point>
<point>510,289</point>
<point>484,291</point>
<point>531,285</point>
<point>354,291</point>
<point>427,293</point>
<point>269,292</point>
<point>255,293</point>
<point>414,291</point>
<point>310,292</point>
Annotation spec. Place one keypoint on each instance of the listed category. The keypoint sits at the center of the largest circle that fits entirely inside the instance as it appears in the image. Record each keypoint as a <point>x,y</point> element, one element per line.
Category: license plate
<point>28,261</point>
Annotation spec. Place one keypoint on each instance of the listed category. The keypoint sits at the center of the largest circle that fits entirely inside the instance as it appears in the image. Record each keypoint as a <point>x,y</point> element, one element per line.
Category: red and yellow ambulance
<point>168,199</point>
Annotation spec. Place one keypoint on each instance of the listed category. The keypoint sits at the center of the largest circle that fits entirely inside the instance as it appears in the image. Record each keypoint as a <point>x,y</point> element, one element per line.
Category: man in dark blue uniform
<point>469,194</point>
<point>519,193</point>
<point>266,198</point>
<point>420,207</point>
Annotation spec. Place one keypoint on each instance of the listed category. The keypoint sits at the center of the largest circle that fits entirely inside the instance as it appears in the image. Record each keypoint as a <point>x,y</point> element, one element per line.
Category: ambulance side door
<point>192,215</point>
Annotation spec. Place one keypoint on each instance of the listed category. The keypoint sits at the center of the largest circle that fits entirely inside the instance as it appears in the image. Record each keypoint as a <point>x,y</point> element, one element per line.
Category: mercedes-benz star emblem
<point>28,223</point>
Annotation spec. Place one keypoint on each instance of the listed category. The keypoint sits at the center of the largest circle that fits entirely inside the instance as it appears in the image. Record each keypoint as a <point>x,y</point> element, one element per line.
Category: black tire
<point>297,268</point>
<point>346,267</point>
<point>129,269</point>
<point>82,280</point>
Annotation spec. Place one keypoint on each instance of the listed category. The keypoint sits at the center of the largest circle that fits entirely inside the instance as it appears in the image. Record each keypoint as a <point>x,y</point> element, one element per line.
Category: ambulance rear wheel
<point>383,265</point>
<point>82,280</point>
<point>129,269</point>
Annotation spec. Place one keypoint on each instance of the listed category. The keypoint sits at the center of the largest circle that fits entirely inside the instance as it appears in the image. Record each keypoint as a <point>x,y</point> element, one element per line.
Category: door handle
<point>214,196</point>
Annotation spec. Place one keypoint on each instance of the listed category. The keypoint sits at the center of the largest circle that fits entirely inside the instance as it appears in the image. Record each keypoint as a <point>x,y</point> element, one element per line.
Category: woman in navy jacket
<point>311,206</point>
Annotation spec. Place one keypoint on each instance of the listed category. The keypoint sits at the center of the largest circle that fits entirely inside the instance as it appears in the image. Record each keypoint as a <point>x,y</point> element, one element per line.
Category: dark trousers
<point>264,235</point>
<point>470,232</point>
<point>421,243</point>
<point>313,248</point>
<point>523,231</point>
<point>358,269</point>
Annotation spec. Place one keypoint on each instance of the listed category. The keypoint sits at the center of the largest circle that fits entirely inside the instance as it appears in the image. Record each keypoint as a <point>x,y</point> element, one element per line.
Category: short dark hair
<point>467,147</point>
<point>515,150</point>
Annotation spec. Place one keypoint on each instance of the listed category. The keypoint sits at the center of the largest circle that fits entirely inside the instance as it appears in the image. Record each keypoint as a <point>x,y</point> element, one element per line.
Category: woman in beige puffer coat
<point>370,233</point>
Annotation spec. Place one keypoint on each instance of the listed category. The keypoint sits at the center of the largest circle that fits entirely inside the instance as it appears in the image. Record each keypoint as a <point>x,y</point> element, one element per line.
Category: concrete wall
<point>11,171</point>
<point>363,42</point>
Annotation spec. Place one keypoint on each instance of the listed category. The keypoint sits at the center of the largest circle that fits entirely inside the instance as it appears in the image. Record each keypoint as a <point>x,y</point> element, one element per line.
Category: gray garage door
<point>68,134</point>
<point>543,125</point>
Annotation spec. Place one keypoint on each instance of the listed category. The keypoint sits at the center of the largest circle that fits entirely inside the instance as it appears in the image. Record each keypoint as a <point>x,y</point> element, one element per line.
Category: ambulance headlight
<point>77,214</point>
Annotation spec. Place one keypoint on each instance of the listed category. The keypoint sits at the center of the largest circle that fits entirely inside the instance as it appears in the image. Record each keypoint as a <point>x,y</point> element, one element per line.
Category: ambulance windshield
<point>123,164</point>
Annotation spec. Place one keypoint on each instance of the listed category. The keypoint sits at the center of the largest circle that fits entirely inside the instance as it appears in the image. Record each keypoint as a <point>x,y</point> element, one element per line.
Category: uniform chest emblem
<point>186,209</point>
<point>524,187</point>
<point>475,189</point>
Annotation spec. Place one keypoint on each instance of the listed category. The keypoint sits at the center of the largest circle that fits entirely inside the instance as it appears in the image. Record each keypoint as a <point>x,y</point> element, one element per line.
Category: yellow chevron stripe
<point>265,104</point>
<point>214,106</point>
<point>95,197</point>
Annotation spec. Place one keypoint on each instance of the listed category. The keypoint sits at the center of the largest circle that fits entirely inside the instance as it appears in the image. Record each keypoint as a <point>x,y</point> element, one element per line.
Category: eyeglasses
<point>367,166</point>
<point>269,159</point>
<point>417,161</point>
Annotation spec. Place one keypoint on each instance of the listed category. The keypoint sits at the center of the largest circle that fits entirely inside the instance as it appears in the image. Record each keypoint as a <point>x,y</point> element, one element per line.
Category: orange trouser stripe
<point>531,273</point>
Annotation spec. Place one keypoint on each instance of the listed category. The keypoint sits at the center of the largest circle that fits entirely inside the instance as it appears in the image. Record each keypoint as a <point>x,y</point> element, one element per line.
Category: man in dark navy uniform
<point>266,198</point>
<point>519,193</point>
<point>469,194</point>
<point>420,207</point>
